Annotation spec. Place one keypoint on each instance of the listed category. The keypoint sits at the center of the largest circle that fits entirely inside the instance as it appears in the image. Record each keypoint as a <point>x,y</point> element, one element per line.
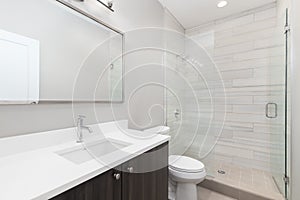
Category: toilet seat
<point>185,164</point>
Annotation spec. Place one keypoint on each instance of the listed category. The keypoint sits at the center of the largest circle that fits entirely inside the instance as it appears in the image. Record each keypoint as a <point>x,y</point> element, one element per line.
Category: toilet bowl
<point>184,173</point>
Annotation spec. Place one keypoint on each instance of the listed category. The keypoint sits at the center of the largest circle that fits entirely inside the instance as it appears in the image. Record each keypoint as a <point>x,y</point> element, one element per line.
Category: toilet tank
<point>158,130</point>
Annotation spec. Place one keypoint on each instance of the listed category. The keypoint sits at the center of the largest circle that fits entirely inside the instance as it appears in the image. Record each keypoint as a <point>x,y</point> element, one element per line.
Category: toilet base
<point>186,191</point>
<point>172,190</point>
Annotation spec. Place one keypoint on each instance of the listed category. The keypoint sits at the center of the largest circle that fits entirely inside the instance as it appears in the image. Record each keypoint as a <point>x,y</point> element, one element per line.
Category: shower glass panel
<point>226,100</point>
<point>195,100</point>
<point>278,96</point>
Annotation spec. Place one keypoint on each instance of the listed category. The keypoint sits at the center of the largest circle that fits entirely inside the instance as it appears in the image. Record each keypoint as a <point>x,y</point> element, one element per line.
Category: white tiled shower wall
<point>248,49</point>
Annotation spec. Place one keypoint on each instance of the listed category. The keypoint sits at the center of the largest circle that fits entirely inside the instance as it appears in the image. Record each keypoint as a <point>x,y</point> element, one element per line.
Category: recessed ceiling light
<point>222,4</point>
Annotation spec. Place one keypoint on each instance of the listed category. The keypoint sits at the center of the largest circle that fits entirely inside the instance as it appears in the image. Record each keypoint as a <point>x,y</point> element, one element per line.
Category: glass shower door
<point>277,105</point>
<point>195,101</point>
<point>231,121</point>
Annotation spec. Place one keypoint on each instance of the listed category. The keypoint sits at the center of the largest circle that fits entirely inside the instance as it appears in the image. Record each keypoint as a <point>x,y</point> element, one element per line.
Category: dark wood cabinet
<point>146,177</point>
<point>142,178</point>
<point>106,186</point>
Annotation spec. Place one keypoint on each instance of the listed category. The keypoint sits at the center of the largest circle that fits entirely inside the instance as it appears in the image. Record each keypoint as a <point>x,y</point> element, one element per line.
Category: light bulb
<point>222,4</point>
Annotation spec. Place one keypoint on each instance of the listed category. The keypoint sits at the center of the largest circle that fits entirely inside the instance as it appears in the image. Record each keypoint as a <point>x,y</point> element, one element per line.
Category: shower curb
<point>236,193</point>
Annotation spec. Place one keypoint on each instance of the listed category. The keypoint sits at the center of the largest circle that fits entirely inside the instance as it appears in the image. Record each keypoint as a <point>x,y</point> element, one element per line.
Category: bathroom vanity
<point>113,163</point>
<point>142,178</point>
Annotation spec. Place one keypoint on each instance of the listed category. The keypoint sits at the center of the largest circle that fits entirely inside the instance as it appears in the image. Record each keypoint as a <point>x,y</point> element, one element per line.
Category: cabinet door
<point>146,177</point>
<point>106,186</point>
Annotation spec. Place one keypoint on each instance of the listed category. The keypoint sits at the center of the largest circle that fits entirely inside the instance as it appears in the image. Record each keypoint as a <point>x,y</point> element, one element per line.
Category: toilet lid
<point>185,164</point>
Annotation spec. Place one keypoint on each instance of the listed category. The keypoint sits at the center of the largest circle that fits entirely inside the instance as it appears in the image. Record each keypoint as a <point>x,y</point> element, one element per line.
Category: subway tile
<point>258,54</point>
<point>240,100</point>
<point>233,151</point>
<point>245,37</point>
<point>243,64</point>
<point>265,89</point>
<point>235,93</point>
<point>277,60</point>
<point>261,156</point>
<point>222,35</point>
<point>269,42</point>
<point>263,100</point>
<point>227,133</point>
<point>253,163</point>
<point>256,26</point>
<point>256,82</point>
<point>237,74</point>
<point>253,118</point>
<point>269,13</point>
<point>266,128</point>
<point>239,126</point>
<point>251,109</point>
<point>260,136</point>
<point>222,59</point>
<point>252,144</point>
<point>224,25</point>
<point>273,72</point>
<point>233,49</point>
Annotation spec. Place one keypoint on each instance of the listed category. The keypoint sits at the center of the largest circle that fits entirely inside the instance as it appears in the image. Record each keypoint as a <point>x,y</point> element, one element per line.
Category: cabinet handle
<point>130,169</point>
<point>117,176</point>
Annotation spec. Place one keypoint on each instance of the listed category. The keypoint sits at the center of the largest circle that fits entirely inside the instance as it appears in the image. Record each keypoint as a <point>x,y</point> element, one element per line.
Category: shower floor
<point>249,180</point>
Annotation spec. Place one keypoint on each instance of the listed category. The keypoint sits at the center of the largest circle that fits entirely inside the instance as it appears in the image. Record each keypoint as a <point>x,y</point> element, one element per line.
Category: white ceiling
<point>192,13</point>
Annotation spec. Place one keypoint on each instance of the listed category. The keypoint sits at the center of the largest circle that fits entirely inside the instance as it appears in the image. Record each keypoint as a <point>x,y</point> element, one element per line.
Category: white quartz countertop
<point>42,174</point>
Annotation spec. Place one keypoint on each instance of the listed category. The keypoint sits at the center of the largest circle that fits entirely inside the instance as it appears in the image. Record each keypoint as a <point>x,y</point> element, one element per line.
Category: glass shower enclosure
<point>227,107</point>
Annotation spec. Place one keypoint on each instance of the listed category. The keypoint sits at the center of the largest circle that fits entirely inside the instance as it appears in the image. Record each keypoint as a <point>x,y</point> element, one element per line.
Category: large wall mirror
<point>80,58</point>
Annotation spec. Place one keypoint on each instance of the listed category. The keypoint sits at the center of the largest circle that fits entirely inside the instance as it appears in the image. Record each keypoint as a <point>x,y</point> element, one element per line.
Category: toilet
<point>184,173</point>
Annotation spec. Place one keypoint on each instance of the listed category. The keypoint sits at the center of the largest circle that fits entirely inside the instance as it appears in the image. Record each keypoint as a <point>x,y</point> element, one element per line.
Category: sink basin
<point>92,150</point>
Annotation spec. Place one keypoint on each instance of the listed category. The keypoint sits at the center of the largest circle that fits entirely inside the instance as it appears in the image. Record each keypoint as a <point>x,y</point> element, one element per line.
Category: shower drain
<point>221,171</point>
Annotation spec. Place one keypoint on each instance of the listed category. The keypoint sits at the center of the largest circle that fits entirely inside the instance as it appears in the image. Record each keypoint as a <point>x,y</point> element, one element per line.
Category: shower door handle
<point>271,110</point>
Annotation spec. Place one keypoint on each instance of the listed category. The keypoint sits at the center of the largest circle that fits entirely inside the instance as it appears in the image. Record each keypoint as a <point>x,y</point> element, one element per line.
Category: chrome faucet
<point>80,126</point>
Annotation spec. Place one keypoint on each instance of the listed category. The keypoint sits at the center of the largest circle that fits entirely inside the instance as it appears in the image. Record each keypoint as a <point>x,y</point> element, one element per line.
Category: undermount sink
<point>92,150</point>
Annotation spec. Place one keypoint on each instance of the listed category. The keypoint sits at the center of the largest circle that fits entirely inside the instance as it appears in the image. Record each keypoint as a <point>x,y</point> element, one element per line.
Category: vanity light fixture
<point>222,4</point>
<point>108,5</point>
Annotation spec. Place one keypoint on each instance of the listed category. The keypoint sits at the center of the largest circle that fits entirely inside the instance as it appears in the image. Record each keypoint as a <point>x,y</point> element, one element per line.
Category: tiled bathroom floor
<point>205,194</point>
<point>250,180</point>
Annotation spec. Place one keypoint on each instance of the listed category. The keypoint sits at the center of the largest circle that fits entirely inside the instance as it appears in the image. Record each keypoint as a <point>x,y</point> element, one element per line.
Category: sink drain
<point>221,171</point>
